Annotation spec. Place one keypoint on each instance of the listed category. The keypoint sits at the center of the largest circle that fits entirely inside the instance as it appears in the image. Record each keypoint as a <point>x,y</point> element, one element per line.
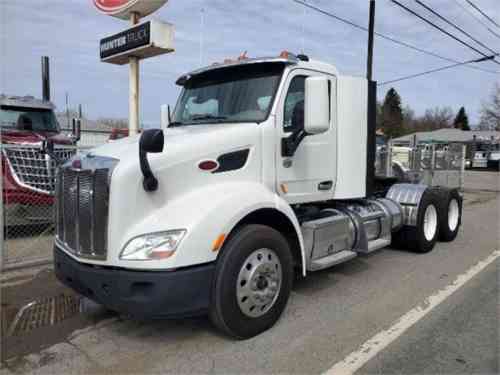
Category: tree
<point>461,120</point>
<point>490,113</point>
<point>434,119</point>
<point>392,115</point>
<point>408,119</point>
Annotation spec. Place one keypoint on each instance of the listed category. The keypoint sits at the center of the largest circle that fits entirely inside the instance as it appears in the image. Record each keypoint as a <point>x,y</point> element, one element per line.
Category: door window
<point>293,117</point>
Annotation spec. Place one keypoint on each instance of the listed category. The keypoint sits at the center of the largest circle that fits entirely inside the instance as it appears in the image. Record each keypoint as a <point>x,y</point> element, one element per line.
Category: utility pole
<point>371,145</point>
<point>371,31</point>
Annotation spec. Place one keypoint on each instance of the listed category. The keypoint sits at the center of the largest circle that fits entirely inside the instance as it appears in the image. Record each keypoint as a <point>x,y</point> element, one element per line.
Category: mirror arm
<point>149,183</point>
<point>289,145</point>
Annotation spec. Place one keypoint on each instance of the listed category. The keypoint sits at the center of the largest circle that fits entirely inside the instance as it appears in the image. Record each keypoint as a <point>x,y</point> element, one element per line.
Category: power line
<point>421,3</point>
<point>396,41</point>
<point>484,14</point>
<point>440,29</point>
<point>436,70</point>
<point>477,18</point>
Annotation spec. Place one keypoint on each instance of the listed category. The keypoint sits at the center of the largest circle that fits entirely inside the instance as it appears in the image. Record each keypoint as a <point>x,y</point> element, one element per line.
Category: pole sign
<point>140,41</point>
<point>148,39</point>
<point>124,8</point>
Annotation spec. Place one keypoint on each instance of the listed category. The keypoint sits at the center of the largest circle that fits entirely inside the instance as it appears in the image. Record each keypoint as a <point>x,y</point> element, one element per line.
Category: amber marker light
<point>218,242</point>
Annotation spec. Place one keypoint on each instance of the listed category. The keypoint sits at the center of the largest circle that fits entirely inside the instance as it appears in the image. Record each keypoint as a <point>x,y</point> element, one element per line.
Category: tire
<point>422,237</point>
<point>450,215</point>
<point>229,310</point>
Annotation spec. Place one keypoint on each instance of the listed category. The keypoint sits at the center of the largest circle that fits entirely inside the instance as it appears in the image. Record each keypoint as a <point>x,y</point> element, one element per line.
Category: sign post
<point>133,126</point>
<point>141,41</point>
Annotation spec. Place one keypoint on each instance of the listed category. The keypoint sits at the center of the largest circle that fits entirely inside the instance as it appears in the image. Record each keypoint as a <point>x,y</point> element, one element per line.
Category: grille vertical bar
<point>59,203</point>
<point>101,202</point>
<point>85,218</point>
<point>70,199</point>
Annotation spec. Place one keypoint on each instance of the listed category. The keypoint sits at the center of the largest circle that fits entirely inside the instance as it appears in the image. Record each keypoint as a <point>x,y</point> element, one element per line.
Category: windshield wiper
<point>207,117</point>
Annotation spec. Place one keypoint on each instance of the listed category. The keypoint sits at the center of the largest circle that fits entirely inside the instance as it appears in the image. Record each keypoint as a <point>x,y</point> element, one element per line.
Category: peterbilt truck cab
<point>261,176</point>
<point>28,170</point>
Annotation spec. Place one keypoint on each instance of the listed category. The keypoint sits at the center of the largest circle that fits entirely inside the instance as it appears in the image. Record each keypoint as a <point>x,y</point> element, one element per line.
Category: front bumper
<point>141,294</point>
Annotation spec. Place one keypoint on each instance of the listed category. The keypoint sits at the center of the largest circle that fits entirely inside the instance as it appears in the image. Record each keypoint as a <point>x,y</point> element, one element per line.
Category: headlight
<point>153,246</point>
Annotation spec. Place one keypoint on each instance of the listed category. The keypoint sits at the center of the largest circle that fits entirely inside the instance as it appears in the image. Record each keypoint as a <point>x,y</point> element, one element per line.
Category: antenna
<point>202,29</point>
<point>303,27</point>
<point>67,109</point>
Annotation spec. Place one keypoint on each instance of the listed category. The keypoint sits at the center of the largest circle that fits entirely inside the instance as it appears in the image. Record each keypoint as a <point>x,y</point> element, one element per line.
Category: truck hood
<point>28,137</point>
<point>185,142</point>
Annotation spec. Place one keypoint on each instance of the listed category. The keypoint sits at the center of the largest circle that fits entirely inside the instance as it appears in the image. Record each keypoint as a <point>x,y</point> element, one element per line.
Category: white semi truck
<point>264,173</point>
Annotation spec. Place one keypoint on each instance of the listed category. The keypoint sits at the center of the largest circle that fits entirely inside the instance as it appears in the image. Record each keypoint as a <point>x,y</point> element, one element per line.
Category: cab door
<point>310,174</point>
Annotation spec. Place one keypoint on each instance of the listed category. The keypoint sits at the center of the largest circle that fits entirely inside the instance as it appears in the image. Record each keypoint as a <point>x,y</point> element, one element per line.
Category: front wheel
<point>252,283</point>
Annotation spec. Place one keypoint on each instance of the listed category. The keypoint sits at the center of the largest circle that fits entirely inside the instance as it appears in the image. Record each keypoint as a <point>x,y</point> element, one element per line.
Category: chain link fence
<point>28,184</point>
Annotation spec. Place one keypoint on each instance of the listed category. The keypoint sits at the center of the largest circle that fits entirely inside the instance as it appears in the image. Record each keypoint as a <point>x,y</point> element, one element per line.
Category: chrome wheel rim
<point>453,215</point>
<point>259,283</point>
<point>430,222</point>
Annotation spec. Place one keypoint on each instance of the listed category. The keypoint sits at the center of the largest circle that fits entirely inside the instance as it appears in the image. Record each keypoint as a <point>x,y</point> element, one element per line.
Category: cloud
<point>69,32</point>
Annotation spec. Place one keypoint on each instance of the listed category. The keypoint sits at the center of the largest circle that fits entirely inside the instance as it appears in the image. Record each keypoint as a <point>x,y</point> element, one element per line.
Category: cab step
<point>331,260</point>
<point>374,245</point>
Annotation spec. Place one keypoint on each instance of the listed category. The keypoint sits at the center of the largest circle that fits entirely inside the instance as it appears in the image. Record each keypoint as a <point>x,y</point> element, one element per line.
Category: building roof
<point>451,135</point>
<point>26,102</point>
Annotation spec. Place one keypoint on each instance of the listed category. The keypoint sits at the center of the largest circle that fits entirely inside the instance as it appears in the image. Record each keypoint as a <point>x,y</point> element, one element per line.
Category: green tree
<point>392,115</point>
<point>461,120</point>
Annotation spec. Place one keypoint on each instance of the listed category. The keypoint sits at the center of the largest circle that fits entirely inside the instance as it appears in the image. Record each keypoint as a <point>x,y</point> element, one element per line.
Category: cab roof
<point>287,59</point>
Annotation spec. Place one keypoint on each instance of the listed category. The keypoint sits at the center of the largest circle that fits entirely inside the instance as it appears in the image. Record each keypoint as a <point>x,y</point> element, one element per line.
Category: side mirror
<point>76,131</point>
<point>316,105</point>
<point>151,141</point>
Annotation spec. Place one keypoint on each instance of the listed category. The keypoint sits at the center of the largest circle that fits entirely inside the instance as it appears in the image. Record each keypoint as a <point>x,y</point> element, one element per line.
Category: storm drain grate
<point>44,312</point>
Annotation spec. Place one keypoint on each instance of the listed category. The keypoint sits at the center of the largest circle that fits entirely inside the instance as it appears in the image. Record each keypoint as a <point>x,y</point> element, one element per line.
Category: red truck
<point>32,148</point>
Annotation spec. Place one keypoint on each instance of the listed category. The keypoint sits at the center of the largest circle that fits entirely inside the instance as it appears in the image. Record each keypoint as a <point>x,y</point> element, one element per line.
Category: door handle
<point>325,185</point>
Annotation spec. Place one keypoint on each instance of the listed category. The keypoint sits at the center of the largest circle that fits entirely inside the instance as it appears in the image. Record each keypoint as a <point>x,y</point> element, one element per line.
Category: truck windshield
<point>29,119</point>
<point>242,93</point>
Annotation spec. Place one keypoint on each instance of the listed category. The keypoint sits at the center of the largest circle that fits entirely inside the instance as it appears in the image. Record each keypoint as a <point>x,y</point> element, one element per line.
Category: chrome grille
<point>82,208</point>
<point>34,169</point>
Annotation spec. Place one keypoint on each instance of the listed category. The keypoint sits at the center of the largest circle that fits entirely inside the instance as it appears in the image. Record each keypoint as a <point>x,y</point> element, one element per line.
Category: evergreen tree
<point>392,115</point>
<point>461,120</point>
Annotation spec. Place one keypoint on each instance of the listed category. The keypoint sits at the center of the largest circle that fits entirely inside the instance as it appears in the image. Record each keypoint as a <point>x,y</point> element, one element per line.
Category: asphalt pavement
<point>459,337</point>
<point>330,314</point>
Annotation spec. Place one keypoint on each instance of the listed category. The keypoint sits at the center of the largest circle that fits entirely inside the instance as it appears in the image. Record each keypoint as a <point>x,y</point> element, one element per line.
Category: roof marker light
<point>284,54</point>
<point>243,56</point>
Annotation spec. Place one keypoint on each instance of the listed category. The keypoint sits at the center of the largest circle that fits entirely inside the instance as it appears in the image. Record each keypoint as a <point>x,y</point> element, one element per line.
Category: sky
<point>69,32</point>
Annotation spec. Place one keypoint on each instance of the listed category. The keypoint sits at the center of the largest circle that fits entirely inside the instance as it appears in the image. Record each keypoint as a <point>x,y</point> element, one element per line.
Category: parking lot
<point>330,316</point>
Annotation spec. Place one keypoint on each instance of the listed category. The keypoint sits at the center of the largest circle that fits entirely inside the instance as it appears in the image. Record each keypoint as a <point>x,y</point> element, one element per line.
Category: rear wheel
<point>422,237</point>
<point>253,280</point>
<point>450,216</point>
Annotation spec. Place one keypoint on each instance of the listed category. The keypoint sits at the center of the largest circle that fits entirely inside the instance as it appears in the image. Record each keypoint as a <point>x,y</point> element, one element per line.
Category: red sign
<point>123,8</point>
